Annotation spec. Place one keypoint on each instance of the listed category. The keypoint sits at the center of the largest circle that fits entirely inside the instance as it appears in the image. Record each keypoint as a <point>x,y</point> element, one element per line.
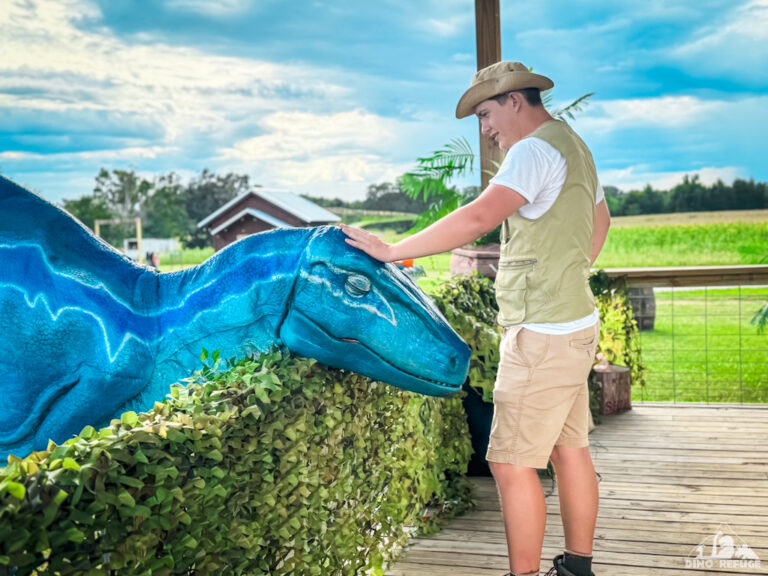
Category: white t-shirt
<point>536,170</point>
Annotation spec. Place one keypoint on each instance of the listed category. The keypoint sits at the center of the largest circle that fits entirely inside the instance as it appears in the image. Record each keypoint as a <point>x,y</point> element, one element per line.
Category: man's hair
<point>531,95</point>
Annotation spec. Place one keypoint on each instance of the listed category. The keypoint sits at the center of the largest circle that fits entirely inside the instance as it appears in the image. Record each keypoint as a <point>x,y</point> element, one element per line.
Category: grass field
<point>685,218</point>
<point>686,245</point>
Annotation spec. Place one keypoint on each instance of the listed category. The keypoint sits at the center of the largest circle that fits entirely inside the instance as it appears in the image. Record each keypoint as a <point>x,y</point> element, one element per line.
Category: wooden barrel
<point>643,304</point>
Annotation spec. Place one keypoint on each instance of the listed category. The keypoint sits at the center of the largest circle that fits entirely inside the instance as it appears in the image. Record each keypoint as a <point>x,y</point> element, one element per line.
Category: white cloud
<point>100,155</point>
<point>667,111</point>
<point>186,103</point>
<point>442,18</point>
<point>735,48</point>
<point>49,64</point>
<point>447,25</point>
<point>213,8</point>
<point>321,153</point>
<point>637,177</point>
<point>462,57</point>
<point>300,134</point>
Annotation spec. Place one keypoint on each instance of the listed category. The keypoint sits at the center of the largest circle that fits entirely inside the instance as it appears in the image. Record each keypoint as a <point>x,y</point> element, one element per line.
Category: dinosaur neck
<point>234,302</point>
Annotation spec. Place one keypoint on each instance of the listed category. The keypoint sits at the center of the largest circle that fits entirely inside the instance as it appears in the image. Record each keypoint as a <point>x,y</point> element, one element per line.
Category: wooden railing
<point>693,276</point>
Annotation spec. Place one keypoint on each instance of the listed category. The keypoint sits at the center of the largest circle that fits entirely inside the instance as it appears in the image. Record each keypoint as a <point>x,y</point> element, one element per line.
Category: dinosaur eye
<point>357,285</point>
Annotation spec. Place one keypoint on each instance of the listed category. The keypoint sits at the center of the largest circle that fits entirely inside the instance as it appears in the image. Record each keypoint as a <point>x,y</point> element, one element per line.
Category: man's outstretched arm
<point>463,225</point>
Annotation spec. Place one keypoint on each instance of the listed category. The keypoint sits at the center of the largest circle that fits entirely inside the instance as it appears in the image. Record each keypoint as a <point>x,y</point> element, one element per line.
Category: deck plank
<point>670,476</point>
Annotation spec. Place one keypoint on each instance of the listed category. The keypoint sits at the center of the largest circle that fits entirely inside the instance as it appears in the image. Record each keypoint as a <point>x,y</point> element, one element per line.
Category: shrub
<point>276,466</point>
<point>619,337</point>
<point>468,302</point>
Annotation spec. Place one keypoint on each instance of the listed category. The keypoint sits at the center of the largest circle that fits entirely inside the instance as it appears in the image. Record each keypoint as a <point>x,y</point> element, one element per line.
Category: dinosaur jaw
<point>305,337</point>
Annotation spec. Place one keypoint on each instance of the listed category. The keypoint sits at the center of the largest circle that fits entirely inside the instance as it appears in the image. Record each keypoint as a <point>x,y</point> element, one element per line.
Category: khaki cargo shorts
<point>541,398</point>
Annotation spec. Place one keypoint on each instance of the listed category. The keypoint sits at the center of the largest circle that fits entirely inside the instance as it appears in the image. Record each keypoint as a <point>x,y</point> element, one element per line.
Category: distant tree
<point>88,209</point>
<point>123,191</point>
<point>615,200</point>
<point>165,212</point>
<point>688,195</point>
<point>331,202</point>
<point>389,196</point>
<point>749,194</point>
<point>206,194</point>
<point>645,201</point>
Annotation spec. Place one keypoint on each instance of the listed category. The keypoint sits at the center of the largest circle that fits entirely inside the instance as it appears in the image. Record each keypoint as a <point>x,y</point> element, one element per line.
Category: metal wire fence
<point>699,344</point>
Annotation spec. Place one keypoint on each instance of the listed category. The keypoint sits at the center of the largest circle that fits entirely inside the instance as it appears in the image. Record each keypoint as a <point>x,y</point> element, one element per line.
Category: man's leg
<point>524,512</point>
<point>577,487</point>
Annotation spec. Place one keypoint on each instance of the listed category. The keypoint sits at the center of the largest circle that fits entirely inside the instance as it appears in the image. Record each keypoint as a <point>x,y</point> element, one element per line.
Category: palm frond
<point>760,319</point>
<point>546,98</point>
<point>455,159</point>
<point>441,207</point>
<point>575,106</point>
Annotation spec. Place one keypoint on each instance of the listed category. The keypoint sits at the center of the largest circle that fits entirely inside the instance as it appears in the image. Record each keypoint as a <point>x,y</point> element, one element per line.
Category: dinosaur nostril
<point>454,361</point>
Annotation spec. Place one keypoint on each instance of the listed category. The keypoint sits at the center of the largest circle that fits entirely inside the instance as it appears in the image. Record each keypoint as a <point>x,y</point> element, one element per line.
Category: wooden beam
<point>488,35</point>
<point>693,275</point>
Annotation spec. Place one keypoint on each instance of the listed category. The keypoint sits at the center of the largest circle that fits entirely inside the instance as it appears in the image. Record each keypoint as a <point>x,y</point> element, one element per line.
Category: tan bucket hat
<point>497,79</point>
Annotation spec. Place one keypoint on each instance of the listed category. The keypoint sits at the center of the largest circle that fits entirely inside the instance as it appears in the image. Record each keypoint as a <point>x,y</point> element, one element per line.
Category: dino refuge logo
<point>725,550</point>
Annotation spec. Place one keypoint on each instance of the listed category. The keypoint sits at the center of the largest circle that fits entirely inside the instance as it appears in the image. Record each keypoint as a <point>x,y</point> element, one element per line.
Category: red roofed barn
<point>261,209</point>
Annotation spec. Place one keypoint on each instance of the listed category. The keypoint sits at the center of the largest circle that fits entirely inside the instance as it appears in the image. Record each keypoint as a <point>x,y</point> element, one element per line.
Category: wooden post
<point>138,238</point>
<point>488,34</point>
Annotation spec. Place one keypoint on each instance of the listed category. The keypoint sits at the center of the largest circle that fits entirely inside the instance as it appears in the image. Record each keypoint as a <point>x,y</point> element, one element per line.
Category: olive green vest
<point>544,264</point>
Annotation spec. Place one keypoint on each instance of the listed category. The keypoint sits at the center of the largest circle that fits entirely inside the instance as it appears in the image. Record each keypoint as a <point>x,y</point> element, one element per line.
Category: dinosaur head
<point>350,311</point>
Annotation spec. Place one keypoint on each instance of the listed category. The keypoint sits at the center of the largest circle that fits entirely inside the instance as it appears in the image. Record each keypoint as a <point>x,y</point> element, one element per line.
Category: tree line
<point>167,207</point>
<point>689,196</point>
<point>170,208</point>
<point>383,196</point>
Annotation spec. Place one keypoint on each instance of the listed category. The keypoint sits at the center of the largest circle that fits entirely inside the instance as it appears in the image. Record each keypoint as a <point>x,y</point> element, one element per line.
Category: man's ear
<point>516,99</point>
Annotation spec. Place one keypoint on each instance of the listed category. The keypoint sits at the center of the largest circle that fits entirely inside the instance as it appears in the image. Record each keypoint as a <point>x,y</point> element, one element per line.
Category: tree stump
<point>615,385</point>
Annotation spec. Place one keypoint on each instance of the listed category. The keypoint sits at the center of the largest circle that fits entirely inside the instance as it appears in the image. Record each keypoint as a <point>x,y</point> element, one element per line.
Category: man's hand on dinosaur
<point>369,243</point>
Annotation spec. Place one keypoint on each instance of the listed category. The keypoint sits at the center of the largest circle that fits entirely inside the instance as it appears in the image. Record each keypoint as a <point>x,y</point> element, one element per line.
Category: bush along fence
<point>276,466</point>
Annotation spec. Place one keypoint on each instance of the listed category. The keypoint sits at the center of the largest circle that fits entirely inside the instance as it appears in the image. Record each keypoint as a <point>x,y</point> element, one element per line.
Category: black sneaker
<point>559,569</point>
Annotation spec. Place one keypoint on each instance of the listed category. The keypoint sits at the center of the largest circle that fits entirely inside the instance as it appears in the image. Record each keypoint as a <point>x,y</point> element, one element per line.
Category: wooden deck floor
<point>671,476</point>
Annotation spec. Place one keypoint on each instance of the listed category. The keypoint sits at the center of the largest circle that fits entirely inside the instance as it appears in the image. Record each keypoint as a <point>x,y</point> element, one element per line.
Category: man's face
<point>498,121</point>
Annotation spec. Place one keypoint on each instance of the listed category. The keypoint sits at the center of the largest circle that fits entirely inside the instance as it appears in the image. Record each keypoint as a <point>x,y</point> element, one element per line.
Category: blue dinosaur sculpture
<point>86,334</point>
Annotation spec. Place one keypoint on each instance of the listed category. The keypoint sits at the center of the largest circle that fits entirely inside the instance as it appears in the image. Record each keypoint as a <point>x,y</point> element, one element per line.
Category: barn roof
<point>258,214</point>
<point>300,207</point>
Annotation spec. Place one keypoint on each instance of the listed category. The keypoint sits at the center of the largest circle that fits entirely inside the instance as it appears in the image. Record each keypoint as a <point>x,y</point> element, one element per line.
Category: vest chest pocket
<point>511,285</point>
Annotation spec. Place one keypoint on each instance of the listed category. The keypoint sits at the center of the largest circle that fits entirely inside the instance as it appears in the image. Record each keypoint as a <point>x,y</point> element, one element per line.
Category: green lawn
<point>703,347</point>
<point>172,261</point>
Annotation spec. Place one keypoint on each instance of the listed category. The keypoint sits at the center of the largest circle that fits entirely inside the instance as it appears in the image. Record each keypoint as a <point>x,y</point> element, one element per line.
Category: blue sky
<point>328,97</point>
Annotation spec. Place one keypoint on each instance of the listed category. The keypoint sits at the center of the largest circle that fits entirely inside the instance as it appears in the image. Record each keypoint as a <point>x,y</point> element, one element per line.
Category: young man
<point>554,222</point>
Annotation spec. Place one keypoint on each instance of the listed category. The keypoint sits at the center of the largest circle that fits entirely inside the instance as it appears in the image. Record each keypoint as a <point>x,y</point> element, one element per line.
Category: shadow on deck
<point>671,477</point>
